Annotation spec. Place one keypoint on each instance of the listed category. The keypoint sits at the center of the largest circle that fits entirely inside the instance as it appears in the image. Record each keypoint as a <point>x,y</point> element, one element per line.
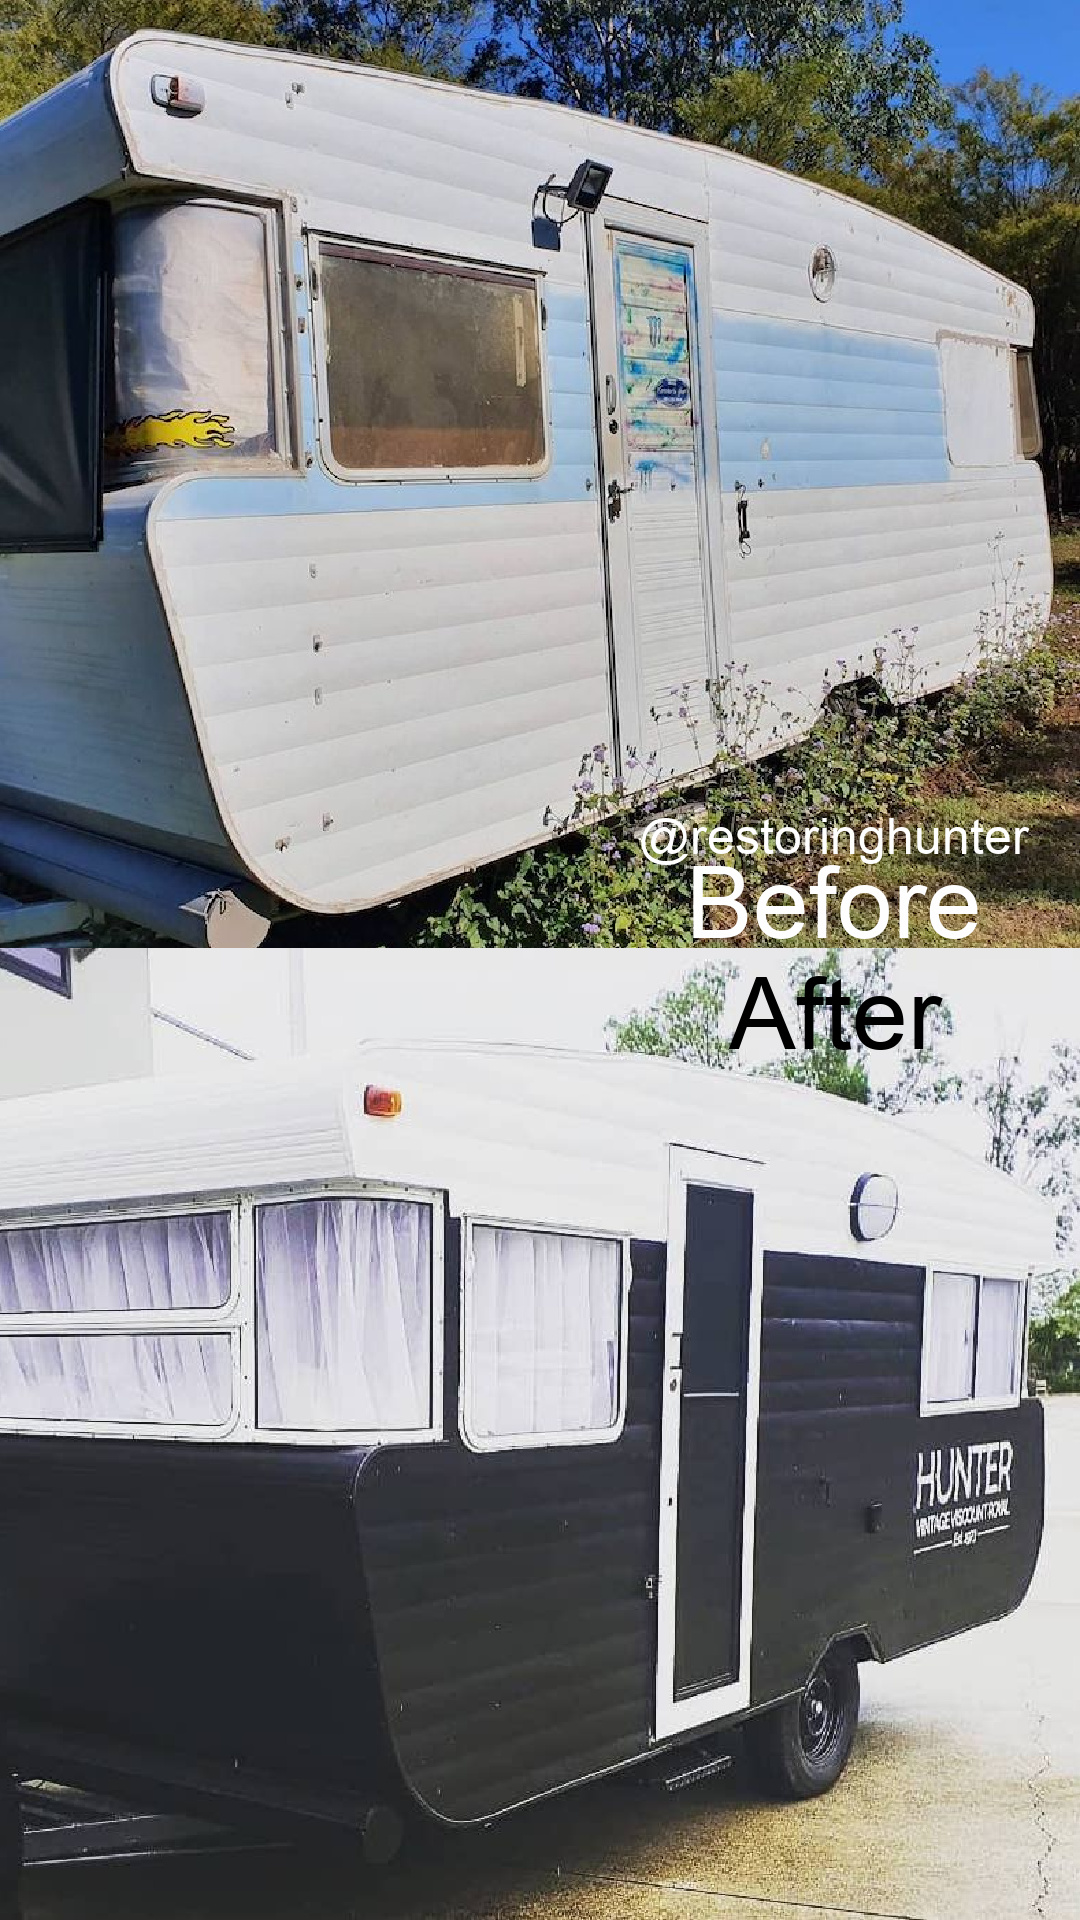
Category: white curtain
<point>544,1320</point>
<point>344,1315</point>
<point>952,1337</point>
<point>133,1266</point>
<point>192,335</point>
<point>997,1365</point>
<point>117,1379</point>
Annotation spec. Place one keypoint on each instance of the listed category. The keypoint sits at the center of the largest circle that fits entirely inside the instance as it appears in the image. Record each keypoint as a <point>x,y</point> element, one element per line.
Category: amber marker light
<point>382,1103</point>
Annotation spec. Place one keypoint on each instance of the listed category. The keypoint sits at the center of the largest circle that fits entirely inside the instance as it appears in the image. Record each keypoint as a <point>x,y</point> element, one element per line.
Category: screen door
<point>708,1458</point>
<point>654,407</point>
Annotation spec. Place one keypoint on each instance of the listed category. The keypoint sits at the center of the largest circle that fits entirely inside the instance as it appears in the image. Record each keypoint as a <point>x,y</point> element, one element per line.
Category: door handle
<point>615,498</point>
<point>609,392</point>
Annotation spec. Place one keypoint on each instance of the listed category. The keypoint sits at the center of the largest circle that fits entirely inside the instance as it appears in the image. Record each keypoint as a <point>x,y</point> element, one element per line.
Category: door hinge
<point>651,1586</point>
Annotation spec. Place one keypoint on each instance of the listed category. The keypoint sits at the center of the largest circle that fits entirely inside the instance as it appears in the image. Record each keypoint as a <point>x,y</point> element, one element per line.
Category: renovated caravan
<point>380,449</point>
<point>449,1426</point>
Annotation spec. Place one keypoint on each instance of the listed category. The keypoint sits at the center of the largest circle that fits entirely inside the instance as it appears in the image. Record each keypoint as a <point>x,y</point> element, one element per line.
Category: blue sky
<point>1040,40</point>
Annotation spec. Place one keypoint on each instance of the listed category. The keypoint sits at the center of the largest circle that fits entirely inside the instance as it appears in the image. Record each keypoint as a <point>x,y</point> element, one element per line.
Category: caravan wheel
<point>801,1747</point>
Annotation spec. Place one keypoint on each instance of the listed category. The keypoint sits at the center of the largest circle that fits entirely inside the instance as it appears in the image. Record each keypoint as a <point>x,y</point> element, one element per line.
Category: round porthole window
<point>823,272</point>
<point>874,1206</point>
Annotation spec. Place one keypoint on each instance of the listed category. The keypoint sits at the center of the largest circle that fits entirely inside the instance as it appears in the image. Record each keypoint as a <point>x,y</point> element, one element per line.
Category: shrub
<point>870,746</point>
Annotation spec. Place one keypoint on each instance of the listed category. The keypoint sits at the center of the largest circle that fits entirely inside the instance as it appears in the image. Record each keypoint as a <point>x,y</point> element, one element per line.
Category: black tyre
<point>801,1747</point>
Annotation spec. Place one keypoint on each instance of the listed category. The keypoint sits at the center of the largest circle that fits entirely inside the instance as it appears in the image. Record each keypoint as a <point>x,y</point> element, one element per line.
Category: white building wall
<point>102,1032</point>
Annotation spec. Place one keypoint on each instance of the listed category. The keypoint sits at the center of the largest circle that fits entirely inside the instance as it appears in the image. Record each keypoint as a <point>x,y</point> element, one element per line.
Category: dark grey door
<point>717,1279</point>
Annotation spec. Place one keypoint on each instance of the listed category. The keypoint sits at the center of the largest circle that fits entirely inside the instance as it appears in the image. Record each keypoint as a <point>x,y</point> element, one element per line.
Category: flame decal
<point>148,431</point>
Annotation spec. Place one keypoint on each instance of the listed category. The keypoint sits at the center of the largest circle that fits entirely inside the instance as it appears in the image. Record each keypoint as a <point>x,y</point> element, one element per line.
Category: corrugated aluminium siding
<point>800,404</point>
<point>515,1638</point>
<point>928,572</point>
<point>838,1336</point>
<point>386,693</point>
<point>421,158</point>
<point>386,697</point>
<point>94,725</point>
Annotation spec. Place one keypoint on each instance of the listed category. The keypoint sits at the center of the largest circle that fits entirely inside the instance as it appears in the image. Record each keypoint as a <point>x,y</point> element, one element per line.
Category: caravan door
<point>708,1448</point>
<point>658,454</point>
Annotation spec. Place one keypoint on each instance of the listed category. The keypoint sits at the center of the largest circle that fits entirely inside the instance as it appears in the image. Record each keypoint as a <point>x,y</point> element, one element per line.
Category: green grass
<point>1067,568</point>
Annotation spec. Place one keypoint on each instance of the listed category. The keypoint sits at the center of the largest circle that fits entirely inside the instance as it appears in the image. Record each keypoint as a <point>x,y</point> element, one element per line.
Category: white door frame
<point>691,1166</point>
<point>615,217</point>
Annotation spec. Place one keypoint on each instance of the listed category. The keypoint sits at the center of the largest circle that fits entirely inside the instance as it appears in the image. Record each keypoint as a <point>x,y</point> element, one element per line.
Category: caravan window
<point>344,1316</point>
<point>950,1365</point>
<point>52,311</point>
<point>544,1337</point>
<point>192,370</point>
<point>1029,436</point>
<point>66,1286</point>
<point>973,1341</point>
<point>1000,1346</point>
<point>117,1379</point>
<point>159,1263</point>
<point>979,406</point>
<point>48,967</point>
<point>430,366</point>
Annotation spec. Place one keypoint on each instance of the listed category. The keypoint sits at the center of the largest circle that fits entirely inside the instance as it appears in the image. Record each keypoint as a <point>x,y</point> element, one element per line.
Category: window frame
<point>226,1319</point>
<point>111,1319</point>
<point>249,1205</point>
<point>996,1403</point>
<point>84,539</point>
<point>282,383</point>
<point>445,263</point>
<point>1026,356</point>
<point>11,961</point>
<point>237,1317</point>
<point>577,1437</point>
<point>950,336</point>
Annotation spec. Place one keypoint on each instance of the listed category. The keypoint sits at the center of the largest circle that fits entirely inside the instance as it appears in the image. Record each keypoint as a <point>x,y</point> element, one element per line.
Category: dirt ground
<point>962,1802</point>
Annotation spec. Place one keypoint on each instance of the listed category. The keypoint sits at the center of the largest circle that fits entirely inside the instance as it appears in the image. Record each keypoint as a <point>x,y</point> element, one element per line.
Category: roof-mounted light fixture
<point>382,1103</point>
<point>583,194</point>
<point>177,94</point>
<point>874,1206</point>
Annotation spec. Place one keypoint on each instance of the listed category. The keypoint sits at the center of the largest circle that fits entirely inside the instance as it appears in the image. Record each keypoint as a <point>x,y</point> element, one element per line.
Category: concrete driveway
<point>962,1802</point>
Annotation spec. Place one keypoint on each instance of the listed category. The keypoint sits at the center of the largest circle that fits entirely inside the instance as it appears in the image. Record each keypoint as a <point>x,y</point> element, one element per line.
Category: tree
<point>437,37</point>
<point>1054,1351</point>
<point>1002,181</point>
<point>1033,1133</point>
<point>683,1023</point>
<point>842,111</point>
<point>647,61</point>
<point>44,41</point>
<point>689,1023</point>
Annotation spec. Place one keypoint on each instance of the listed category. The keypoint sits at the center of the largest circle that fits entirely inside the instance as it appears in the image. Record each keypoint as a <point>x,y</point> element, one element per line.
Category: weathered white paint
<point>977,376</point>
<point>376,684</point>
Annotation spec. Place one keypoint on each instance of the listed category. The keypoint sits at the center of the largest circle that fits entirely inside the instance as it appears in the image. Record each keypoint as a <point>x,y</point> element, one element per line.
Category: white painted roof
<point>524,1134</point>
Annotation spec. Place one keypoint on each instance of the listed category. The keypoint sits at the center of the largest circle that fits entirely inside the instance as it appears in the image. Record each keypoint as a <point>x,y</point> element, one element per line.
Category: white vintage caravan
<point>369,459</point>
<point>531,1416</point>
